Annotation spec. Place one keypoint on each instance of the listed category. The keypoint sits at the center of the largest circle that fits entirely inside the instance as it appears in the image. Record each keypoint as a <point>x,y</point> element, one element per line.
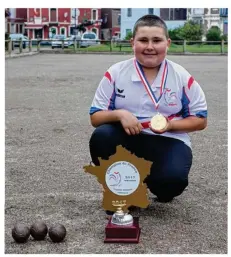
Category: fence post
<point>222,46</point>
<point>184,46</point>
<point>30,45</point>
<point>20,46</point>
<point>111,46</point>
<point>10,47</point>
<point>75,44</point>
<point>38,45</point>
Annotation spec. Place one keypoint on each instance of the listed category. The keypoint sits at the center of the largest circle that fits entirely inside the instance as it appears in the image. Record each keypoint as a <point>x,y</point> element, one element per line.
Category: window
<point>89,36</point>
<point>129,12</point>
<point>119,19</point>
<point>164,13</point>
<point>53,31</point>
<point>20,28</point>
<point>150,10</point>
<point>63,31</point>
<point>173,13</point>
<point>53,14</point>
<point>94,14</point>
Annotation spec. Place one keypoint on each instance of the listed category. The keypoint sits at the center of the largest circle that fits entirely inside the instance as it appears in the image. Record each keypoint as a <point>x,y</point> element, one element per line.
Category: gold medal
<point>158,122</point>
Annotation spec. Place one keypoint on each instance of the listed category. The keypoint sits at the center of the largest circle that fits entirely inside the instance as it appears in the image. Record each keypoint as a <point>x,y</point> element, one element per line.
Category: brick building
<point>45,22</point>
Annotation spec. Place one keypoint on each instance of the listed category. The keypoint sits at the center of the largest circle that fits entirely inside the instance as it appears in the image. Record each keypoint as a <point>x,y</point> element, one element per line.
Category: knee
<point>102,134</point>
<point>167,188</point>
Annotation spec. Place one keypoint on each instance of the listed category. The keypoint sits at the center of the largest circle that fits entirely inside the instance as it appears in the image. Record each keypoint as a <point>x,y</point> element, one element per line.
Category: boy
<point>132,92</point>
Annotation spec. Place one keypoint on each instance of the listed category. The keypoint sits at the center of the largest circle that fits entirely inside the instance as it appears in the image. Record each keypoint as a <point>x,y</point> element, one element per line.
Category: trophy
<point>158,122</point>
<point>122,227</point>
<point>122,177</point>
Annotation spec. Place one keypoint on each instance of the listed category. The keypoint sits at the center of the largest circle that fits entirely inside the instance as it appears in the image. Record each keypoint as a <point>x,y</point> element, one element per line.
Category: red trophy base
<point>122,234</point>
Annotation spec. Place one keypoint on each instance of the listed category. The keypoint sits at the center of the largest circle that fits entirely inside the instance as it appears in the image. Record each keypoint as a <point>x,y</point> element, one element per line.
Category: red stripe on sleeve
<point>190,82</point>
<point>108,76</point>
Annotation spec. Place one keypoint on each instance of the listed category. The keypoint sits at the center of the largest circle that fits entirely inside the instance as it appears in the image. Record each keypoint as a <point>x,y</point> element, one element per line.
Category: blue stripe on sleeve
<point>202,114</point>
<point>93,110</point>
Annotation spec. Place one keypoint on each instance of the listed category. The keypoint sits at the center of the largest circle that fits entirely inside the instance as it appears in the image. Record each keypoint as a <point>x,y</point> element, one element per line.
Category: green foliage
<point>213,34</point>
<point>175,34</point>
<point>128,36</point>
<point>191,31</point>
<point>224,37</point>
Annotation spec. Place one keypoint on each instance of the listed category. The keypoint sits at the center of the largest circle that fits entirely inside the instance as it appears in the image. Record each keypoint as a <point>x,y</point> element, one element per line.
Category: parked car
<point>89,39</point>
<point>16,40</point>
<point>72,39</point>
<point>57,41</point>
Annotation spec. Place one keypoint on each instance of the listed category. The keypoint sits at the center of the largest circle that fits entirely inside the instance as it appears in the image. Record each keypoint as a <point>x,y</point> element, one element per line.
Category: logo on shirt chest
<point>170,97</point>
<point>119,93</point>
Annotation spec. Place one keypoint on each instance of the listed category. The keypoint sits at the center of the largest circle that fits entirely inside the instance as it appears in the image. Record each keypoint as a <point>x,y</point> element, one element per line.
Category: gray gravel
<point>46,141</point>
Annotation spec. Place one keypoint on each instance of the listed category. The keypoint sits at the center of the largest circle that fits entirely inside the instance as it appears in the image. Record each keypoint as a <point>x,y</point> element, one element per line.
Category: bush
<point>191,31</point>
<point>175,35</point>
<point>224,37</point>
<point>128,36</point>
<point>213,34</point>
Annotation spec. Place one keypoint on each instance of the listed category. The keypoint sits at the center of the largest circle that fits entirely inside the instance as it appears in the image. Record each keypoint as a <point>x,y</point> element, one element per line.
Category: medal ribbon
<point>146,84</point>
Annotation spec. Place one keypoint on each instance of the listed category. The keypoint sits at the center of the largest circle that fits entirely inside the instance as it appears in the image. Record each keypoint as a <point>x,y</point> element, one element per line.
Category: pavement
<point>47,130</point>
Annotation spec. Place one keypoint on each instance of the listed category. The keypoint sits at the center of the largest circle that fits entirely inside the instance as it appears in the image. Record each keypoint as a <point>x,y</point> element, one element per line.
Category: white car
<point>16,40</point>
<point>57,41</point>
<point>89,39</point>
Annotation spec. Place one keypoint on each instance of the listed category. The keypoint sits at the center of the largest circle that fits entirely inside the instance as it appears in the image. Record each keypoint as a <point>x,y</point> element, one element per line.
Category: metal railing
<point>37,45</point>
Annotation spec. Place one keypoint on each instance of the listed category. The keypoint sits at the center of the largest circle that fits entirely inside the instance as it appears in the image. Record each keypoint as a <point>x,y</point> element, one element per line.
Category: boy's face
<point>150,46</point>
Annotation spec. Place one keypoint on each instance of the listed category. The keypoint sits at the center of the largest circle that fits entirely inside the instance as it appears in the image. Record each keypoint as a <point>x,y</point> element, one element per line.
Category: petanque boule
<point>57,233</point>
<point>38,230</point>
<point>20,233</point>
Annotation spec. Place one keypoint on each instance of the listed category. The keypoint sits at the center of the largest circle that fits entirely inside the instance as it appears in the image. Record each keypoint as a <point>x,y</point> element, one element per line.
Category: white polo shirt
<point>174,93</point>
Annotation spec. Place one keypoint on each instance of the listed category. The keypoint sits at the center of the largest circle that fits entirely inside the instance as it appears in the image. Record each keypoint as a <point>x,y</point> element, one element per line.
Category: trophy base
<point>122,234</point>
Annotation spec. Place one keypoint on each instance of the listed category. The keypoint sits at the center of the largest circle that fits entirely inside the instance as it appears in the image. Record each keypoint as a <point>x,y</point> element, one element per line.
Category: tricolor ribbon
<point>146,84</point>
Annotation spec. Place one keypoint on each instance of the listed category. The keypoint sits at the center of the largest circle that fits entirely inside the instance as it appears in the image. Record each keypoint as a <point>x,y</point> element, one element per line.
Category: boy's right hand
<point>129,122</point>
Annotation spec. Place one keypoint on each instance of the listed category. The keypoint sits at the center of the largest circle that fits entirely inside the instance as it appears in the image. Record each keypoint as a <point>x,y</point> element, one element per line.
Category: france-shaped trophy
<point>122,177</point>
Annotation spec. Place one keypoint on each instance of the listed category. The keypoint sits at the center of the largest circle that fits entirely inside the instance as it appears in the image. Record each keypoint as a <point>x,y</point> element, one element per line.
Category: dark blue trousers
<point>171,158</point>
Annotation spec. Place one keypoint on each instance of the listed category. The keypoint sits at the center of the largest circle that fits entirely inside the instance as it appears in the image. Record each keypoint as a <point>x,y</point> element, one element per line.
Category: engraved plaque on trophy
<point>122,177</point>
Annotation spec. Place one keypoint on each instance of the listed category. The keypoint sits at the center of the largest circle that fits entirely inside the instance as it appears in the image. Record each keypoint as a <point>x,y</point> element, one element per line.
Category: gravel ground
<point>46,141</point>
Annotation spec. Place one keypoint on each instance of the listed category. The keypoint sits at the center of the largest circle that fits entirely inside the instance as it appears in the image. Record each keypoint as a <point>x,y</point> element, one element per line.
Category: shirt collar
<point>136,77</point>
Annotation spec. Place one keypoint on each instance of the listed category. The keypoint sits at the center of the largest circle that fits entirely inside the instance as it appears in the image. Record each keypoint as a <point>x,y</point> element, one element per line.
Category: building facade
<point>174,17</point>
<point>224,20</point>
<point>46,22</point>
<point>210,17</point>
<point>90,14</point>
<point>14,22</point>
<point>111,20</point>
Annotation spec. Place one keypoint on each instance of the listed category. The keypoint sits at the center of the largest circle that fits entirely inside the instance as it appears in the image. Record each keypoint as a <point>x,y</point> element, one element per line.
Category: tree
<point>129,35</point>
<point>191,31</point>
<point>175,34</point>
<point>213,34</point>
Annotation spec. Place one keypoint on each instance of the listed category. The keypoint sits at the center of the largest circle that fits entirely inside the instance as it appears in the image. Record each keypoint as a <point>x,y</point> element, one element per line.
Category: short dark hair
<point>150,21</point>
